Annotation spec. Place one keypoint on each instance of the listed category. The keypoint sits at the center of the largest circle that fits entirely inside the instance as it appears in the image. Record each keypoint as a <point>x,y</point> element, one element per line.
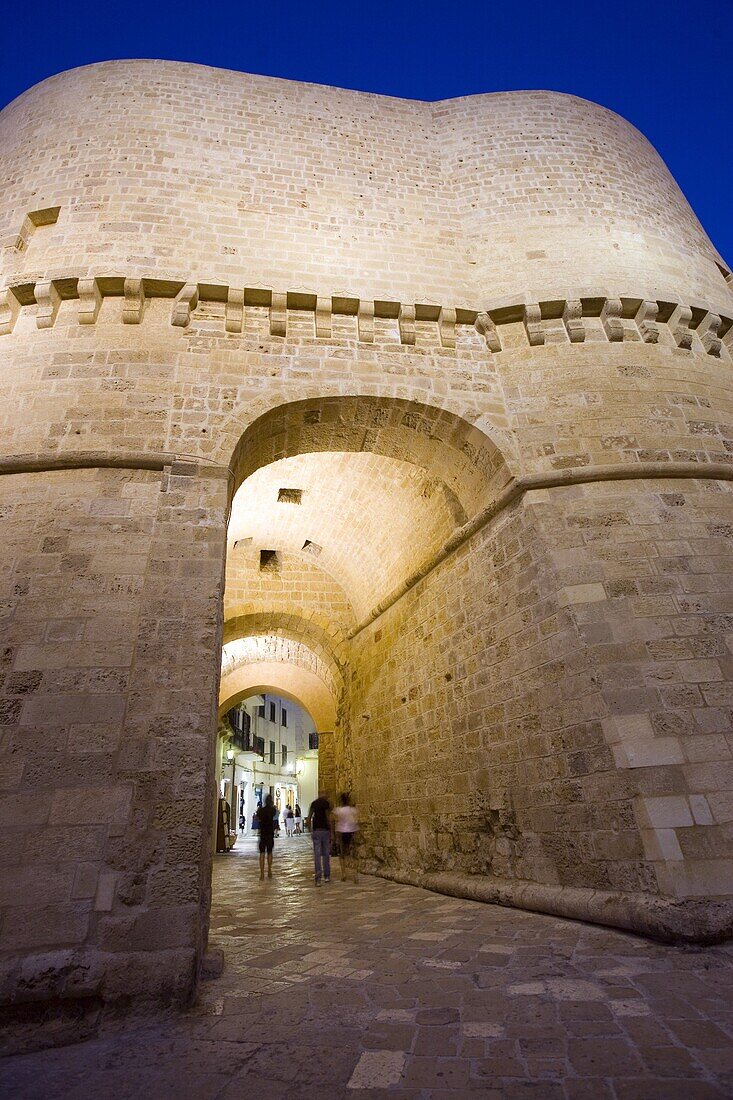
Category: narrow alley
<point>390,990</point>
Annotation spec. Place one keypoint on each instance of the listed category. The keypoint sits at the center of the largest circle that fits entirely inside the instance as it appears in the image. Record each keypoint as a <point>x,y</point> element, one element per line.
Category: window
<point>272,752</point>
<point>272,712</point>
<point>284,756</point>
<point>284,720</point>
<point>261,711</point>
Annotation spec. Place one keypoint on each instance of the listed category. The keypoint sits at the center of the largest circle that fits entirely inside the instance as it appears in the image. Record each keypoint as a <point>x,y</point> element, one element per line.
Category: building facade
<point>266,747</point>
<point>423,410</point>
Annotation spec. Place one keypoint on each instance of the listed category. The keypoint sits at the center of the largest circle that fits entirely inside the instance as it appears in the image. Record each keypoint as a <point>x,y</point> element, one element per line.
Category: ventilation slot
<point>311,548</point>
<point>289,496</point>
<point>241,543</point>
<point>269,561</point>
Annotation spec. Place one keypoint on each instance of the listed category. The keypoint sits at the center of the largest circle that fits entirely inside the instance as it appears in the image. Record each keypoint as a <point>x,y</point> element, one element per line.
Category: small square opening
<point>269,561</point>
<point>289,496</point>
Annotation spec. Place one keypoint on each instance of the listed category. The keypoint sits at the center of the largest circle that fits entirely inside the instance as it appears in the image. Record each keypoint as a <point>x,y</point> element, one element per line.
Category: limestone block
<point>365,319</point>
<point>90,805</point>
<point>278,314</point>
<point>447,327</point>
<point>324,318</point>
<point>9,310</point>
<point>90,301</point>
<point>701,809</point>
<point>646,319</point>
<point>613,326</point>
<point>709,878</point>
<point>648,752</point>
<point>105,893</point>
<point>572,319</point>
<point>49,300</point>
<point>234,310</point>
<point>661,844</point>
<point>665,812</point>
<point>679,324</point>
<point>533,325</point>
<point>486,328</point>
<point>582,593</point>
<point>186,300</point>
<point>133,302</point>
<point>708,330</point>
<point>628,727</point>
<point>406,321</point>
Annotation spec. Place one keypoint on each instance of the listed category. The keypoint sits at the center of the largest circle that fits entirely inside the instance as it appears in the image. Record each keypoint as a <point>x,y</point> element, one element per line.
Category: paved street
<point>381,989</point>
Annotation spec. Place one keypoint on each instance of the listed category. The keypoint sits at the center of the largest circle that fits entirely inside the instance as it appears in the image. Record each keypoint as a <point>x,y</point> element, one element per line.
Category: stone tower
<point>460,373</point>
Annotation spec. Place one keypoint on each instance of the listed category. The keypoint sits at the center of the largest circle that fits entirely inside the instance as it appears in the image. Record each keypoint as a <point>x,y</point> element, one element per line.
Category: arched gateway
<point>429,430</point>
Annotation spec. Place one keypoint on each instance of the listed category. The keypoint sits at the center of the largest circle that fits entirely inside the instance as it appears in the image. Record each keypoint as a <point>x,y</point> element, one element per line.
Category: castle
<point>416,413</point>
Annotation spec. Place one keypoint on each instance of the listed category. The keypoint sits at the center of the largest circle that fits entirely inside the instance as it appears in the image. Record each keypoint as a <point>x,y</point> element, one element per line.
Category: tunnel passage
<point>338,501</point>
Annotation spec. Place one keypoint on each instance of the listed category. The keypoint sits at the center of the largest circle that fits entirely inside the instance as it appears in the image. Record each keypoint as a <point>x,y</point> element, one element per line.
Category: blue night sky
<point>665,66</point>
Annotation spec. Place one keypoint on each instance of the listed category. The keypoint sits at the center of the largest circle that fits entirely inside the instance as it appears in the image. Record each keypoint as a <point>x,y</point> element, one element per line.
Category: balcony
<point>245,742</point>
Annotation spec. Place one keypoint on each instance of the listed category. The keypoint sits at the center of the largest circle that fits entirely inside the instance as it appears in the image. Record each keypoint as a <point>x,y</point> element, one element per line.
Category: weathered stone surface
<point>436,996</point>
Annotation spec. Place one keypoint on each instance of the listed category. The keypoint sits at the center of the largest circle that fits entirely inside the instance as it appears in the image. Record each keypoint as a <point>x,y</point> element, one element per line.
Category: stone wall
<point>552,705</point>
<point>111,605</point>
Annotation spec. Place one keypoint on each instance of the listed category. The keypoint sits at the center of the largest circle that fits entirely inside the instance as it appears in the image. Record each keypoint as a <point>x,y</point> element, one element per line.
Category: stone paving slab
<point>378,989</point>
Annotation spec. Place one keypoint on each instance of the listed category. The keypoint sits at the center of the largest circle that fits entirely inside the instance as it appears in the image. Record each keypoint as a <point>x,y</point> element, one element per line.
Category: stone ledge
<point>59,997</point>
<point>694,326</point>
<point>671,920</point>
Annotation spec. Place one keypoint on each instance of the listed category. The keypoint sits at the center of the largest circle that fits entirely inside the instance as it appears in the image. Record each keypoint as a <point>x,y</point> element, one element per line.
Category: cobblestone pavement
<point>381,989</point>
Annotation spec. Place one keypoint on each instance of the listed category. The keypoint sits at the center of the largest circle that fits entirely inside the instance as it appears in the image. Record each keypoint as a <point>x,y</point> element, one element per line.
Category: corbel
<point>679,324</point>
<point>646,320</point>
<point>613,326</point>
<point>49,301</point>
<point>486,328</point>
<point>186,300</point>
<point>234,310</point>
<point>728,339</point>
<point>278,314</point>
<point>90,301</point>
<point>447,327</point>
<point>365,320</point>
<point>133,303</point>
<point>324,318</point>
<point>572,318</point>
<point>9,310</point>
<point>533,325</point>
<point>406,321</point>
<point>708,330</point>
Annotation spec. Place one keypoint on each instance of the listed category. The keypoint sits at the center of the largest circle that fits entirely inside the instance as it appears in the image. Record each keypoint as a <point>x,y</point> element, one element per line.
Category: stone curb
<point>671,920</point>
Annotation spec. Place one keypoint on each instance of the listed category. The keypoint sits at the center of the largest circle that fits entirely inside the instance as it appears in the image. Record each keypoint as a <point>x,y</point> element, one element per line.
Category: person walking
<point>298,820</point>
<point>289,821</point>
<point>266,816</point>
<point>319,823</point>
<point>346,821</point>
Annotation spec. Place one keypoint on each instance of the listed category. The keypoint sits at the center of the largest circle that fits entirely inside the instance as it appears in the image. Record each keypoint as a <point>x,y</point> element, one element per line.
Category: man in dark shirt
<point>319,823</point>
<point>266,817</point>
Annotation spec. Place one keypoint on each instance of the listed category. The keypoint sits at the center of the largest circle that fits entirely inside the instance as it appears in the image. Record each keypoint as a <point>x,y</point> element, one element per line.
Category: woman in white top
<point>346,823</point>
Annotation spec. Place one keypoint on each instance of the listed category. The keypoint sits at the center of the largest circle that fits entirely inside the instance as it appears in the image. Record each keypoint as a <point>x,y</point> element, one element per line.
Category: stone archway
<point>338,500</point>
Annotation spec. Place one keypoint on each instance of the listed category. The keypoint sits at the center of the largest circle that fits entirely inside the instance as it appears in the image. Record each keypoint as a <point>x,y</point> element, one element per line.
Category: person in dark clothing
<point>266,816</point>
<point>319,823</point>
